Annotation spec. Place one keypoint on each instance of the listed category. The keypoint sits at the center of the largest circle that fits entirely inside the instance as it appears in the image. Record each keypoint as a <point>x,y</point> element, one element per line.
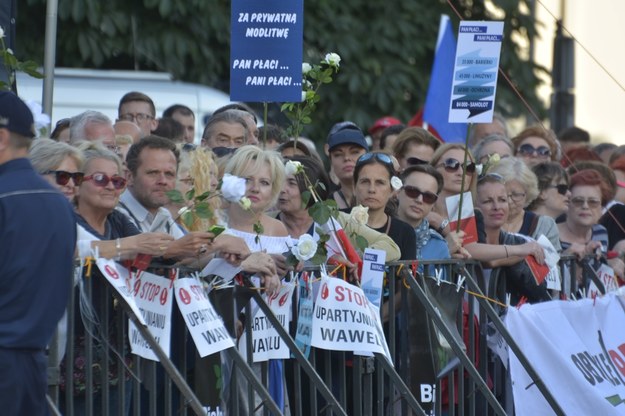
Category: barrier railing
<point>434,312</point>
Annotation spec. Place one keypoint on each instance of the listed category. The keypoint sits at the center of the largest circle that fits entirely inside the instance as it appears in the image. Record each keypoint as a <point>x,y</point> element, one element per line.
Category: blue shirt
<point>37,241</point>
<point>435,249</point>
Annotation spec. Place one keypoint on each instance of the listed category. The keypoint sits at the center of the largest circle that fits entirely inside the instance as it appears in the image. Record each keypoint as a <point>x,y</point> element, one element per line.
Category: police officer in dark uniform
<point>37,241</point>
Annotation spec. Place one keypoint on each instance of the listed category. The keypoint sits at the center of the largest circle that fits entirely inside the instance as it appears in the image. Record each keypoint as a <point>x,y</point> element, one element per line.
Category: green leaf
<point>187,219</point>
<point>203,197</point>
<point>258,228</point>
<point>175,196</point>
<point>190,194</point>
<point>361,242</point>
<point>305,198</point>
<point>320,212</point>
<point>203,210</point>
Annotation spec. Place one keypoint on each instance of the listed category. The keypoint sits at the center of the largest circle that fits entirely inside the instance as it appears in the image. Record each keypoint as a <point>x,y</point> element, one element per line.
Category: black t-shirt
<point>403,235</point>
<point>117,226</point>
<point>614,221</point>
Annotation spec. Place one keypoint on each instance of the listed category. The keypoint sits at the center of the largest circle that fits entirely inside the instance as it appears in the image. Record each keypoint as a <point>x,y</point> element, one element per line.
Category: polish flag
<point>467,219</point>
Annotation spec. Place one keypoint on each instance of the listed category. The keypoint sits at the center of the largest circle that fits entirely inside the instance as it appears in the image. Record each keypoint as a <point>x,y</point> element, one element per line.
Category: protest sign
<point>475,72</point>
<point>578,350</point>
<point>266,50</point>
<point>372,277</point>
<point>606,276</point>
<point>119,278</point>
<point>343,319</point>
<point>266,342</point>
<point>303,333</point>
<point>154,297</point>
<point>205,325</point>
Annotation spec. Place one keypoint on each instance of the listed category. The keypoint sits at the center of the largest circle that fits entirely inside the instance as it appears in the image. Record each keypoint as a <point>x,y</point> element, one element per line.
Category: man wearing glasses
<point>421,186</point>
<point>139,109</point>
<point>37,241</point>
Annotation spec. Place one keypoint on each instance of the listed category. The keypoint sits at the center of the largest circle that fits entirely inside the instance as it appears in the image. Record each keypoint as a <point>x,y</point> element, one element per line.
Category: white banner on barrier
<point>119,278</point>
<point>578,350</point>
<point>343,320</point>
<point>205,325</point>
<point>606,275</point>
<point>154,297</point>
<point>266,343</point>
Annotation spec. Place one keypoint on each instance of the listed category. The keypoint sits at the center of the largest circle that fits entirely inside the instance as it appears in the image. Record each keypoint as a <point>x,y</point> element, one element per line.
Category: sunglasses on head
<point>380,157</point>
<point>452,165</point>
<point>414,192</point>
<point>561,188</point>
<point>529,150</point>
<point>414,161</point>
<point>100,179</point>
<point>62,177</point>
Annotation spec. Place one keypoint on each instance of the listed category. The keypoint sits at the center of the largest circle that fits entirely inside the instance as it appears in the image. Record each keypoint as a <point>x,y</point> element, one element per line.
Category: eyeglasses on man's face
<point>138,117</point>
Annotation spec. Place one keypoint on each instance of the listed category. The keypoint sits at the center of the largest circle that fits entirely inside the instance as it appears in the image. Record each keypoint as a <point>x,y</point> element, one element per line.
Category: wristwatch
<point>444,224</point>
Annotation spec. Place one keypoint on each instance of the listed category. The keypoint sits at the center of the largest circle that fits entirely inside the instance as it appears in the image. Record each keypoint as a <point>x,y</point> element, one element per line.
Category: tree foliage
<point>386,47</point>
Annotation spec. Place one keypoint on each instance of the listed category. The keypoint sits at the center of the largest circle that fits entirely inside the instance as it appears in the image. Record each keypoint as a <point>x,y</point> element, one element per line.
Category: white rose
<point>396,183</point>
<point>1,32</point>
<point>305,248</point>
<point>233,188</point>
<point>306,68</point>
<point>245,203</point>
<point>303,95</point>
<point>292,168</point>
<point>41,119</point>
<point>494,158</point>
<point>478,169</point>
<point>332,59</point>
<point>360,214</point>
<point>10,51</point>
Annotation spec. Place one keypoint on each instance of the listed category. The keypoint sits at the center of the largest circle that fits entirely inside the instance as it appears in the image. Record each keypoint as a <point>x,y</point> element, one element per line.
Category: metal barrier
<point>438,333</point>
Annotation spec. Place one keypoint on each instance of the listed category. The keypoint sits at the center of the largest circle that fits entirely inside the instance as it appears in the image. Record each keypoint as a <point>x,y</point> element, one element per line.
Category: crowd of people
<point>101,186</point>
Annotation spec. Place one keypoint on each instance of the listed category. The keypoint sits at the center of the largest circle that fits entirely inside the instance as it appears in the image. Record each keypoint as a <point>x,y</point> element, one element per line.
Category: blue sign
<point>266,50</point>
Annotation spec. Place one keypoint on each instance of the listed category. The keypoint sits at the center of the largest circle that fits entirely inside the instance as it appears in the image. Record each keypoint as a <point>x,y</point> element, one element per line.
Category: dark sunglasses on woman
<point>100,179</point>
<point>561,188</point>
<point>529,150</point>
<point>414,192</point>
<point>452,165</point>
<point>62,177</point>
<point>414,161</point>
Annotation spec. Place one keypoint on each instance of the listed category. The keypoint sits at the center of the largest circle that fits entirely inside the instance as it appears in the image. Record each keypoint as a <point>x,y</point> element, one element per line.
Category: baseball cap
<point>347,136</point>
<point>383,123</point>
<point>15,115</point>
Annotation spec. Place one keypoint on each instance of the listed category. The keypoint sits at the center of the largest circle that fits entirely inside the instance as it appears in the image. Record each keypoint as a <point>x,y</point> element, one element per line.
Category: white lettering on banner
<point>266,342</point>
<point>606,275</point>
<point>577,349</point>
<point>343,320</point>
<point>153,296</point>
<point>119,278</point>
<point>205,325</point>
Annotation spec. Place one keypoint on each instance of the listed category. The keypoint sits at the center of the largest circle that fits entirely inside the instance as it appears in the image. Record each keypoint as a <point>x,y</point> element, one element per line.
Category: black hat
<point>347,136</point>
<point>15,115</point>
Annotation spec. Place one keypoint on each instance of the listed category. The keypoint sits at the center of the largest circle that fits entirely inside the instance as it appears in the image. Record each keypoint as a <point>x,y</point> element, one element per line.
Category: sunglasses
<point>529,150</point>
<point>380,157</point>
<point>223,151</point>
<point>579,202</point>
<point>100,179</point>
<point>414,161</point>
<point>452,165</point>
<point>561,188</point>
<point>414,192</point>
<point>62,177</point>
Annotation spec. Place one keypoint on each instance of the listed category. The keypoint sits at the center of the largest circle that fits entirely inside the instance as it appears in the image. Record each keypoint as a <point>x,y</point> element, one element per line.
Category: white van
<point>77,90</point>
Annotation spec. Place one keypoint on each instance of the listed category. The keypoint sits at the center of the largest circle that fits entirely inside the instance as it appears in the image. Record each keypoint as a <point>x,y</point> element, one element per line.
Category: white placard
<point>372,277</point>
<point>344,321</point>
<point>266,342</point>
<point>551,259</point>
<point>119,278</point>
<point>205,325</point>
<point>606,276</point>
<point>154,296</point>
<point>475,72</point>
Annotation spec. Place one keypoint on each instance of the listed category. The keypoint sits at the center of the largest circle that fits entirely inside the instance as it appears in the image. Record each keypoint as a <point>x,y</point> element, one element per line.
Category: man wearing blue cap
<point>37,241</point>
<point>344,146</point>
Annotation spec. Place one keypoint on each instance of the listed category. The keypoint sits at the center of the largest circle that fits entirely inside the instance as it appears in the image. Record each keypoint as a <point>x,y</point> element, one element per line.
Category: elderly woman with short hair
<point>522,188</point>
<point>491,145</point>
<point>59,163</point>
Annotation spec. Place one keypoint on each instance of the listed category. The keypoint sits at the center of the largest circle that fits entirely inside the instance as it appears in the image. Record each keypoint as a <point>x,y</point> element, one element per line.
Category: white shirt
<point>162,222</point>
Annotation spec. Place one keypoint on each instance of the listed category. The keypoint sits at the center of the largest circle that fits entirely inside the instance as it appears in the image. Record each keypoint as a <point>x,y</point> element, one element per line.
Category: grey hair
<point>514,169</point>
<point>230,117</point>
<point>491,138</point>
<point>77,124</point>
<point>94,150</point>
<point>48,154</point>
